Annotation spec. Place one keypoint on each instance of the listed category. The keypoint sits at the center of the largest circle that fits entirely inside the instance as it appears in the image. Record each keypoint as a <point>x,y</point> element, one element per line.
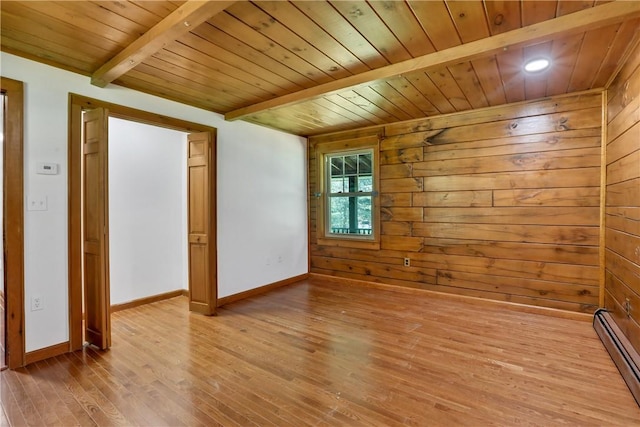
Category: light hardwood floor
<point>326,354</point>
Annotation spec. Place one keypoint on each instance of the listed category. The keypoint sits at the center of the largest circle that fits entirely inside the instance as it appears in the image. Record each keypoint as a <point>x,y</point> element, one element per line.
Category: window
<point>349,192</point>
<point>348,207</point>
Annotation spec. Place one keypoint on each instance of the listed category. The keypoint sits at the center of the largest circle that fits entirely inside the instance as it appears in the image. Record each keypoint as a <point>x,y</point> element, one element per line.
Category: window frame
<point>323,152</point>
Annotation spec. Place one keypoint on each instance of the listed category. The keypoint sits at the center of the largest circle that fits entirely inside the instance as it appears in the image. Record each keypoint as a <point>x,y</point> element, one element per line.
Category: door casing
<point>78,103</point>
<point>14,221</point>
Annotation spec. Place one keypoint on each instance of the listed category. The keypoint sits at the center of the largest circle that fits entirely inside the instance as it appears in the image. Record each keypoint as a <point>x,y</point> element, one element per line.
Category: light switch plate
<point>37,203</point>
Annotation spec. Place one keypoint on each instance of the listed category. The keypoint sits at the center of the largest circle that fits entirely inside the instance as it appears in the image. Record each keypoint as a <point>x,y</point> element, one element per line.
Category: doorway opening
<point>86,272</point>
<point>145,206</point>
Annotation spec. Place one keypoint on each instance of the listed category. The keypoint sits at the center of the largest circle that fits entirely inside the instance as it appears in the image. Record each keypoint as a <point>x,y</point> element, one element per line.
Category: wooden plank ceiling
<point>311,67</point>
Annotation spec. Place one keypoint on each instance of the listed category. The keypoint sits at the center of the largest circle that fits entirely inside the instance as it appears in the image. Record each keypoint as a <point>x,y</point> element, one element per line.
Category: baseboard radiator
<point>623,354</point>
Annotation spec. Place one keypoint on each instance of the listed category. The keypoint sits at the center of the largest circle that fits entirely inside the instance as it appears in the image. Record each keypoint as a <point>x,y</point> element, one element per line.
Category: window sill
<point>349,243</point>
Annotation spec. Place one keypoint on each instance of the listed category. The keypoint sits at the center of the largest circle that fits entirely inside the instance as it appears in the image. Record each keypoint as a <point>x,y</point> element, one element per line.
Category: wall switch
<point>36,303</point>
<point>37,203</point>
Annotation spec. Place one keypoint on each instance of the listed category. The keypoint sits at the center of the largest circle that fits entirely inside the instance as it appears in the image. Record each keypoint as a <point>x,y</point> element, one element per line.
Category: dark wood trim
<point>14,220</point>
<point>624,356</point>
<point>309,192</point>
<point>261,290</point>
<point>74,153</point>
<point>46,353</point>
<point>140,116</point>
<point>427,293</point>
<point>147,300</point>
<point>76,104</point>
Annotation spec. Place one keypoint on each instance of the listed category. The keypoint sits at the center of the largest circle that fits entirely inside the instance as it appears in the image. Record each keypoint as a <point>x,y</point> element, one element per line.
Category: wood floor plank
<point>319,353</point>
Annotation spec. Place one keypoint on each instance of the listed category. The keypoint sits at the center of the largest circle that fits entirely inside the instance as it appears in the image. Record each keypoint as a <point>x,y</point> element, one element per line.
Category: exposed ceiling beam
<point>183,19</point>
<point>578,22</point>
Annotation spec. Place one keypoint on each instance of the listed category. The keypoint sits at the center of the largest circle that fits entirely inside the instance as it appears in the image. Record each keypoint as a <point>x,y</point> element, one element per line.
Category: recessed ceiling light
<point>536,65</point>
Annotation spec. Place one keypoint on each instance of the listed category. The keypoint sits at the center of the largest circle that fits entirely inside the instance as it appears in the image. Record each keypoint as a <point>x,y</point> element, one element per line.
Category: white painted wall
<point>257,167</point>
<point>147,210</point>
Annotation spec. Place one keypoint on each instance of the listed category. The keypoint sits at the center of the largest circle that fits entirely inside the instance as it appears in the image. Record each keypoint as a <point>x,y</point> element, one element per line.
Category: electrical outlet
<point>407,262</point>
<point>36,303</point>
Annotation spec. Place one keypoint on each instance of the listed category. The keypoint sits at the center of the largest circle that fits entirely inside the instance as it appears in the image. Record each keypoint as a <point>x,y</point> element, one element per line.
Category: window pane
<point>365,183</point>
<point>337,185</point>
<point>351,165</point>
<point>364,164</point>
<point>339,215</point>
<point>336,166</point>
<point>350,215</point>
<point>364,214</point>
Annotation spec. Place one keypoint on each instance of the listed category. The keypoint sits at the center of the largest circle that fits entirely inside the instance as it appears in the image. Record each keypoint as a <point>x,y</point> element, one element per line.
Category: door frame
<point>14,221</point>
<point>78,103</point>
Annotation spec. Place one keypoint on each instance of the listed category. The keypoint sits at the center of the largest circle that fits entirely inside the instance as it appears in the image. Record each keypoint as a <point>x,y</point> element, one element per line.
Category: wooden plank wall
<point>500,203</point>
<point>622,220</point>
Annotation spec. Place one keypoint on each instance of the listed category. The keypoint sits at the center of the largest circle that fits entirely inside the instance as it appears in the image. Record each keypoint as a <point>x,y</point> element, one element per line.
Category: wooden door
<point>95,229</point>
<point>201,224</point>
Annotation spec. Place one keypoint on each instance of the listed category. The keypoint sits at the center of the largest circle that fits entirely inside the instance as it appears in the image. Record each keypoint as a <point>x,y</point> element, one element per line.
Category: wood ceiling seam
<point>65,43</point>
<point>489,76</point>
<point>84,21</point>
<point>275,31</point>
<point>564,62</point>
<point>229,81</point>
<point>467,80</point>
<point>343,111</point>
<point>407,88</point>
<point>132,12</point>
<point>401,21</point>
<point>98,12</point>
<point>153,66</point>
<point>436,22</point>
<point>381,101</point>
<point>216,104</point>
<point>468,19</point>
<point>141,85</point>
<point>428,88</point>
<point>245,48</point>
<point>367,105</point>
<point>265,45</point>
<point>445,82</point>
<point>340,100</point>
<point>503,16</point>
<point>397,97</point>
<point>362,16</point>
<point>590,57</point>
<point>33,45</point>
<point>324,15</point>
<point>196,40</point>
<point>21,50</point>
<point>625,40</point>
<point>34,11</point>
<point>627,56</point>
<point>307,29</point>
